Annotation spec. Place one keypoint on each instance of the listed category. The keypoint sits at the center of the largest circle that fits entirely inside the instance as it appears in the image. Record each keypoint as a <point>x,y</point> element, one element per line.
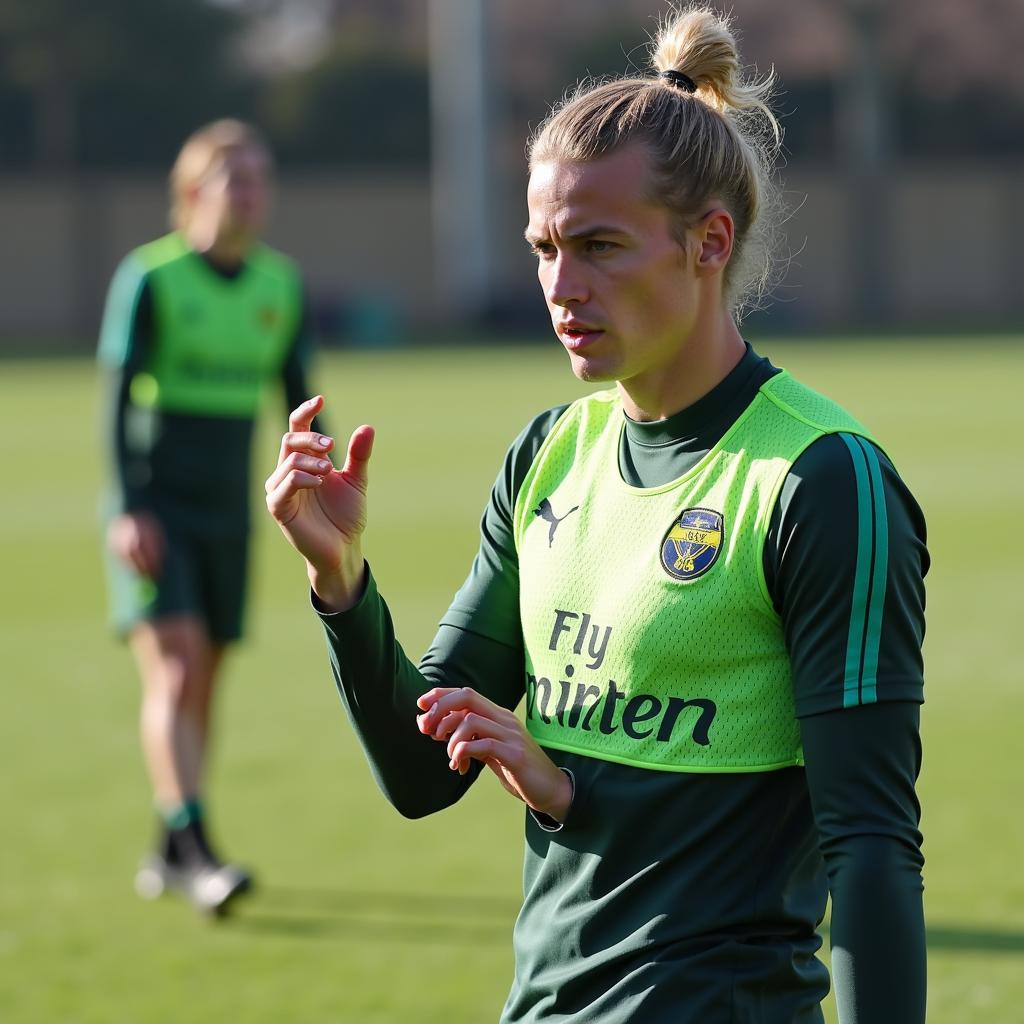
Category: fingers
<point>300,419</point>
<point>281,501</point>
<point>440,728</point>
<point>450,698</point>
<point>443,702</point>
<point>306,465</point>
<point>143,565</point>
<point>149,552</point>
<point>300,439</point>
<point>464,732</point>
<point>360,447</point>
<point>433,696</point>
<point>474,728</point>
<point>309,443</point>
<point>137,540</point>
<point>487,750</point>
<point>299,436</point>
<point>464,720</point>
<point>476,734</point>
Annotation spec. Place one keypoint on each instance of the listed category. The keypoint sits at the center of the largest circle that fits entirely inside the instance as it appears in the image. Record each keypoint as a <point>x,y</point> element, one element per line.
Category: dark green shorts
<point>201,575</point>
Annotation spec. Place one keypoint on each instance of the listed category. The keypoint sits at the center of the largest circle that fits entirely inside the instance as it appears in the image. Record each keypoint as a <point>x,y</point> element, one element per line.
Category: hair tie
<point>677,78</point>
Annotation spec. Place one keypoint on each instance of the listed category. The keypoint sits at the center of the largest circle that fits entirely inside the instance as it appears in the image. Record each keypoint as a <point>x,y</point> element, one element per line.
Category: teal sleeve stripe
<point>119,313</point>
<point>862,577</point>
<point>879,577</point>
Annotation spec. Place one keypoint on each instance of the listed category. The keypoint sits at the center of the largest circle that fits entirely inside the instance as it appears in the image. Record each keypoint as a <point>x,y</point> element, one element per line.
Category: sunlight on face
<point>619,287</point>
<point>233,195</point>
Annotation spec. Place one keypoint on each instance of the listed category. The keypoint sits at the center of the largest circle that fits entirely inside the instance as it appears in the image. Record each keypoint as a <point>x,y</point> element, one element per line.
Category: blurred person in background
<point>707,583</point>
<point>196,325</point>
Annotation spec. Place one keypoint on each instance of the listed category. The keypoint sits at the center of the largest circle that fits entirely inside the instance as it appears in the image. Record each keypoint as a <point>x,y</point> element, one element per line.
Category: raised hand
<point>322,511</point>
<point>475,728</point>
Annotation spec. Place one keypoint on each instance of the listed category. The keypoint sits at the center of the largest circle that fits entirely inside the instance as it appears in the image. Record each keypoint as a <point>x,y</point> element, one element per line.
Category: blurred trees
<point>951,74</point>
<point>89,83</point>
<point>123,82</point>
<point>113,82</point>
<point>354,105</point>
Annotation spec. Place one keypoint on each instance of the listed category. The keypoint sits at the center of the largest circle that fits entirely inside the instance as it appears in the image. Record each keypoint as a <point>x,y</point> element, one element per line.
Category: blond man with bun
<point>703,583</point>
<point>197,324</point>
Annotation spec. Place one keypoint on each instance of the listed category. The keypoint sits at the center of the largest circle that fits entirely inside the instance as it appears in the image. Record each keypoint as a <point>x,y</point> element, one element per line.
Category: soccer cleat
<point>212,887</point>
<point>209,886</point>
<point>186,864</point>
<point>151,878</point>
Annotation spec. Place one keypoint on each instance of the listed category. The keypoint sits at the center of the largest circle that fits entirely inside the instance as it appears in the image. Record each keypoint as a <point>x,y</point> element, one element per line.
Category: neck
<point>709,354</point>
<point>224,250</point>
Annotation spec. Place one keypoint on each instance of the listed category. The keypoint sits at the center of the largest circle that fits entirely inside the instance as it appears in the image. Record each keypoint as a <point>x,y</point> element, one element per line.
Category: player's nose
<point>565,282</point>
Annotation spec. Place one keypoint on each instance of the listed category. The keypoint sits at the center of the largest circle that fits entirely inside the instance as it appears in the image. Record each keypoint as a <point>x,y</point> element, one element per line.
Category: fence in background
<point>947,241</point>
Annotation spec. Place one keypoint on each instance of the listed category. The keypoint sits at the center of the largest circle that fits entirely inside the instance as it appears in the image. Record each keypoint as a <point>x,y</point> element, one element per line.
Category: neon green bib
<point>650,635</point>
<point>217,341</point>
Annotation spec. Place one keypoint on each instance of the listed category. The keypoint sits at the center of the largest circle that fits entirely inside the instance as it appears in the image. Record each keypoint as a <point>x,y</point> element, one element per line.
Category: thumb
<point>360,446</point>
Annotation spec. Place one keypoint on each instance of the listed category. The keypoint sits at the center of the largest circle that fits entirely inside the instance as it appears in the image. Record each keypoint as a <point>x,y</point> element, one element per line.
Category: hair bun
<point>677,78</point>
<point>698,44</point>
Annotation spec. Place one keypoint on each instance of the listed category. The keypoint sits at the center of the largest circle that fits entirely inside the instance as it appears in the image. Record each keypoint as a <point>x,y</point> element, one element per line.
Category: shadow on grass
<point>949,938</point>
<point>453,919</point>
<point>413,917</point>
<point>946,938</point>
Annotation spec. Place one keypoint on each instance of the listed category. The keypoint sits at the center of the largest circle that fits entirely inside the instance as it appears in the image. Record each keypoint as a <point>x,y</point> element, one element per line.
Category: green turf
<point>362,916</point>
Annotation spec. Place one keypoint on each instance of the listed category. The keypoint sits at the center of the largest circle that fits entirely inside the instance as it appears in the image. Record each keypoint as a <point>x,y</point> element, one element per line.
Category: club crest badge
<point>692,544</point>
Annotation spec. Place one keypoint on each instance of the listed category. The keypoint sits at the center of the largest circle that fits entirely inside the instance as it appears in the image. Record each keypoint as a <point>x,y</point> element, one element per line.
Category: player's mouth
<point>576,334</point>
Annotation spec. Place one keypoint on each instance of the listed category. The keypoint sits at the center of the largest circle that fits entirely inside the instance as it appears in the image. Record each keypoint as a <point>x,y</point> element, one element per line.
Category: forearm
<point>125,341</point>
<point>877,931</point>
<point>379,685</point>
<point>862,764</point>
<point>127,492</point>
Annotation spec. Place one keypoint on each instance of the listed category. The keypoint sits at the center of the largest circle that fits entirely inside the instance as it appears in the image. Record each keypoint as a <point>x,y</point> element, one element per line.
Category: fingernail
<point>323,464</point>
<point>324,442</point>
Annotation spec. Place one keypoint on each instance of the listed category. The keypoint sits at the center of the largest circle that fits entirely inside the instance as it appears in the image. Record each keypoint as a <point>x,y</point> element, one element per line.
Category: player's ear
<point>714,234</point>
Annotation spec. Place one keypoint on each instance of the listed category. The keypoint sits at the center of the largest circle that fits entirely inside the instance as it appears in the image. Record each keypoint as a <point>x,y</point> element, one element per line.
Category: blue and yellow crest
<point>692,545</point>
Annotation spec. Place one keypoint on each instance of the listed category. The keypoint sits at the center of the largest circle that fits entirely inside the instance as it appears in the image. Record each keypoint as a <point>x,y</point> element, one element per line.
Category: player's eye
<point>542,250</point>
<point>599,246</point>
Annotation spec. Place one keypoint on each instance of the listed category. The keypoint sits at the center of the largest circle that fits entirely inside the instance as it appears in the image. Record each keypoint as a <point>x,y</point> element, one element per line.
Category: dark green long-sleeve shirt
<point>694,897</point>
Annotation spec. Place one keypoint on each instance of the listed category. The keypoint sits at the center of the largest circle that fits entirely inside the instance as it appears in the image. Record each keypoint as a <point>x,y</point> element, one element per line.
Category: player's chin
<point>245,226</point>
<point>591,369</point>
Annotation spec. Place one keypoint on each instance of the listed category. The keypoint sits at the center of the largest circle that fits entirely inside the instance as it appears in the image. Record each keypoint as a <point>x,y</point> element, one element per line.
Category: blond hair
<point>203,149</point>
<point>719,140</point>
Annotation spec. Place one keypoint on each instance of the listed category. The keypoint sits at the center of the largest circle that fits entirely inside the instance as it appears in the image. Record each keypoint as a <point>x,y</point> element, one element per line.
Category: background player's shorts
<point>201,575</point>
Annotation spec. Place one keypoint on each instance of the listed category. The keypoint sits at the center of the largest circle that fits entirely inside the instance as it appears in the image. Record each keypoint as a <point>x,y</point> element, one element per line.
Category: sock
<point>181,815</point>
<point>183,838</point>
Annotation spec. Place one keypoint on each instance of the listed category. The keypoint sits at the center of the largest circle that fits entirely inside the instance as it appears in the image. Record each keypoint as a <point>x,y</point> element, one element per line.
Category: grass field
<point>362,916</point>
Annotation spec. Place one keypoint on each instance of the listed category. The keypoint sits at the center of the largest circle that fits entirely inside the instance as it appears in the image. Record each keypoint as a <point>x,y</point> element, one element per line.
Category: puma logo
<point>547,513</point>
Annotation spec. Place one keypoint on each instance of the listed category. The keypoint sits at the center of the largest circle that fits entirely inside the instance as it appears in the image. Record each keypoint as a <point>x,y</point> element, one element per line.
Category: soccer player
<point>197,324</point>
<point>705,581</point>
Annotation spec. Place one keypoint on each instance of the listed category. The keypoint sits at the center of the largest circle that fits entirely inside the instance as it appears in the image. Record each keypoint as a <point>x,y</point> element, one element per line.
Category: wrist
<point>557,808</point>
<point>338,589</point>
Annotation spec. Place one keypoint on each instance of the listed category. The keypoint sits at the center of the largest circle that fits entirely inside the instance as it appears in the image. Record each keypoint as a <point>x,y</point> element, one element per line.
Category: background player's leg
<point>176,665</point>
<point>200,708</point>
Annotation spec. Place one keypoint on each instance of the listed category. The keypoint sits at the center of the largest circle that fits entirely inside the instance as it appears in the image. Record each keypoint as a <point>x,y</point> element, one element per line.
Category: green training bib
<point>650,635</point>
<point>218,340</point>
